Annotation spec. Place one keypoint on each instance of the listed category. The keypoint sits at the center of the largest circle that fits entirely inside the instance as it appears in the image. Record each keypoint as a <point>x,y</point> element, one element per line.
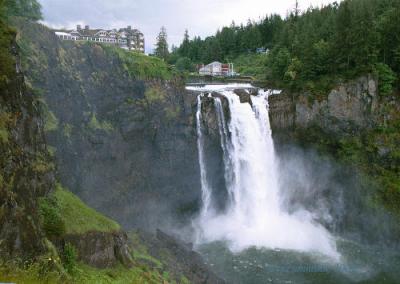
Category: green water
<point>358,264</point>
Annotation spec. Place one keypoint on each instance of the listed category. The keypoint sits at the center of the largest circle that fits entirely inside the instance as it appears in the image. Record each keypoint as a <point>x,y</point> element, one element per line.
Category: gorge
<point>247,227</point>
<point>116,168</point>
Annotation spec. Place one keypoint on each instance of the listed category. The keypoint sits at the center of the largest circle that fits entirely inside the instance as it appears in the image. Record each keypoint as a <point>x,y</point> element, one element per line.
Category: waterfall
<point>254,215</point>
<point>205,188</point>
<point>226,148</point>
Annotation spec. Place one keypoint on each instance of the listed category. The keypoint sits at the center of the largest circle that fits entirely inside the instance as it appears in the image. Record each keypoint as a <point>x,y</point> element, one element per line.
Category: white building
<point>217,69</point>
<point>127,38</point>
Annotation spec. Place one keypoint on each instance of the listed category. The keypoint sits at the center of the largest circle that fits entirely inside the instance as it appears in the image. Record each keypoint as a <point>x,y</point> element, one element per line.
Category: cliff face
<point>348,107</point>
<point>124,140</point>
<point>354,124</point>
<point>26,171</point>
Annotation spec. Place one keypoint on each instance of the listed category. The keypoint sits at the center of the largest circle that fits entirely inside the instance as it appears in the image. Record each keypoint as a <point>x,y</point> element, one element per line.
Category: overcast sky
<point>200,17</point>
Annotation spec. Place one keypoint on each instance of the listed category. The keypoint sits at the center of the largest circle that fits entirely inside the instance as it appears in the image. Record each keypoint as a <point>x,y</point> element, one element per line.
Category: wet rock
<point>125,163</point>
<point>100,249</point>
<point>245,94</point>
<point>282,111</point>
<point>348,107</point>
<point>26,169</point>
<point>179,257</point>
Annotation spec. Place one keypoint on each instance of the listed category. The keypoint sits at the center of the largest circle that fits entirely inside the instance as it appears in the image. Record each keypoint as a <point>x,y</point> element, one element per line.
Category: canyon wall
<point>348,107</point>
<point>123,136</point>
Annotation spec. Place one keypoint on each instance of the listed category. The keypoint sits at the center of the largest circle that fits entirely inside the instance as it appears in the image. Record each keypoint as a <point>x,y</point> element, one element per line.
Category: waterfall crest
<point>253,215</point>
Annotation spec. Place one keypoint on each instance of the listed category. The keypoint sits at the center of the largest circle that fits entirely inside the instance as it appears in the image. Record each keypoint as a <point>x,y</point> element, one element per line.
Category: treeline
<point>30,9</point>
<point>347,39</point>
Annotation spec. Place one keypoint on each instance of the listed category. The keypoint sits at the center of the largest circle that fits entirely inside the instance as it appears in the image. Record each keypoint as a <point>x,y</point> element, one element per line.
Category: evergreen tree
<point>30,9</point>
<point>162,44</point>
<point>185,46</point>
<point>340,40</point>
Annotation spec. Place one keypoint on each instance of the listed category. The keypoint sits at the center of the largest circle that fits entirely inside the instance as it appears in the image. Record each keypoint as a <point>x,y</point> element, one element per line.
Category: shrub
<point>184,64</point>
<point>69,258</point>
<point>52,221</point>
<point>386,78</point>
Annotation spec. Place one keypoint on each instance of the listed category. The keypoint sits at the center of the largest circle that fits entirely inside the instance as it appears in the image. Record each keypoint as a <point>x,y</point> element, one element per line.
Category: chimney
<point>78,27</point>
<point>87,27</point>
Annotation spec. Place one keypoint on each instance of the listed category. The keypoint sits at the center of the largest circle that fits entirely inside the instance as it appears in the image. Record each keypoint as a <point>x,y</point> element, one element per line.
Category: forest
<point>309,49</point>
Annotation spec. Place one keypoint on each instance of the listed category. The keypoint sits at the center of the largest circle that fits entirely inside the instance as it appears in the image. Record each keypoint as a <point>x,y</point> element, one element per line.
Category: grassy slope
<point>63,212</point>
<point>84,274</point>
<point>78,217</point>
<point>138,65</point>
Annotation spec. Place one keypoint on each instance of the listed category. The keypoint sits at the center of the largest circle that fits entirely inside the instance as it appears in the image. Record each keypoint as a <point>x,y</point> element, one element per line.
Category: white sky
<point>200,17</point>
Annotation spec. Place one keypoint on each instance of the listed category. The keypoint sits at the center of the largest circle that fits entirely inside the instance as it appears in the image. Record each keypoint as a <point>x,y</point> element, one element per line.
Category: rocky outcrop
<point>245,94</point>
<point>100,249</point>
<point>348,107</point>
<point>26,171</point>
<point>179,258</point>
<point>282,111</point>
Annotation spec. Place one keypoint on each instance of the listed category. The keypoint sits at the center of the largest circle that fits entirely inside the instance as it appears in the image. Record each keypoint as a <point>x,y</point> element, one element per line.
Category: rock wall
<point>100,249</point>
<point>348,107</point>
<point>179,258</point>
<point>126,146</point>
<point>26,170</point>
<point>355,129</point>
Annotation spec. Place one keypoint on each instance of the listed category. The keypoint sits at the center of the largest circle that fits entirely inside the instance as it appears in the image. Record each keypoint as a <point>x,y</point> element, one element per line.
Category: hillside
<point>119,125</point>
<point>48,235</point>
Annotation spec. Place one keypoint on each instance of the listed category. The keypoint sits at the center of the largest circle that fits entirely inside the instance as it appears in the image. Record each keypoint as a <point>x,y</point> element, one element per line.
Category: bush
<point>52,221</point>
<point>184,64</point>
<point>386,78</point>
<point>69,258</point>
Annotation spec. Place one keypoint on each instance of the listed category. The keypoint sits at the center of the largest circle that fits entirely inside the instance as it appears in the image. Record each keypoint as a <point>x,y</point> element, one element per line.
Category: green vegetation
<point>60,212</point>
<point>184,64</point>
<point>7,61</point>
<point>50,268</point>
<point>67,130</point>
<point>140,66</point>
<point>138,274</point>
<point>30,9</point>
<point>251,64</point>
<point>37,273</point>
<point>312,50</point>
<point>52,221</point>
<point>375,152</point>
<point>64,213</point>
<point>78,217</point>
<point>386,78</point>
<point>69,257</point>
<point>94,124</point>
<point>4,122</point>
<point>140,252</point>
<point>162,45</point>
<point>51,121</point>
<point>154,95</point>
<point>40,164</point>
<point>34,273</point>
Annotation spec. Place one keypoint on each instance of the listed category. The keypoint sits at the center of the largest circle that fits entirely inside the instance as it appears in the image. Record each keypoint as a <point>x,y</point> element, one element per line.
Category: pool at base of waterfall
<point>359,264</point>
<point>255,237</point>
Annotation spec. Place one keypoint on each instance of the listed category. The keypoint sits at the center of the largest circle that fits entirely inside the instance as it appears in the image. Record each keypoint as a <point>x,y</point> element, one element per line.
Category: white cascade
<point>205,188</point>
<point>253,216</point>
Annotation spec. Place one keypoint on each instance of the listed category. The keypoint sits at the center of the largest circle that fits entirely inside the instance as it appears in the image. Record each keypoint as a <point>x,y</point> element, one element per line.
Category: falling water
<point>254,216</point>
<point>205,189</point>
